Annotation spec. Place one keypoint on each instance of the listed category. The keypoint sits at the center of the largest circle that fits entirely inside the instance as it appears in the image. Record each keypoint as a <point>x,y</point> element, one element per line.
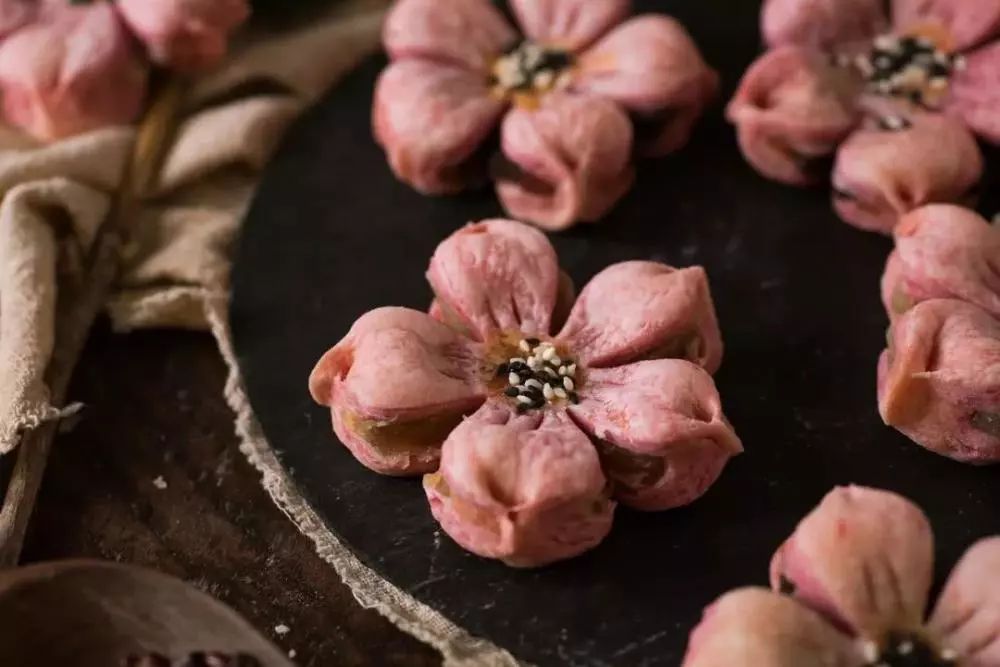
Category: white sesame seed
<point>514,379</point>
<point>913,76</point>
<point>905,647</point>
<point>524,346</point>
<point>555,361</point>
<point>534,363</point>
<point>563,370</point>
<point>939,83</point>
<point>508,73</point>
<point>942,58</point>
<point>887,42</point>
<point>532,55</point>
<point>568,383</point>
<point>544,79</point>
<point>551,372</point>
<point>526,400</point>
<point>516,360</point>
<point>547,392</point>
<point>533,383</point>
<point>870,650</point>
<point>893,123</point>
<point>549,353</point>
<point>949,654</point>
<point>571,370</point>
<point>864,65</point>
<point>560,392</point>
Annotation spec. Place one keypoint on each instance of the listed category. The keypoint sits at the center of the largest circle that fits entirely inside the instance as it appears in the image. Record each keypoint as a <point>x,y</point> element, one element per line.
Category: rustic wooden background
<point>155,409</point>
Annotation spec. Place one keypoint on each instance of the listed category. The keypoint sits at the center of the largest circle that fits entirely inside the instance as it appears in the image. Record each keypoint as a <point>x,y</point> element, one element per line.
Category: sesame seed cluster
<point>530,67</point>
<point>906,650</point>
<point>906,66</point>
<point>539,377</point>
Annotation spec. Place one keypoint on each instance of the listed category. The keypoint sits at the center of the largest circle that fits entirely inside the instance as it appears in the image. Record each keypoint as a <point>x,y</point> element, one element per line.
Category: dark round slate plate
<point>332,235</point>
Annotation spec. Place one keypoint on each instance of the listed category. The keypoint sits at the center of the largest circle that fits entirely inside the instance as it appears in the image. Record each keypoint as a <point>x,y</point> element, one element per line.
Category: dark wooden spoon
<point>97,614</point>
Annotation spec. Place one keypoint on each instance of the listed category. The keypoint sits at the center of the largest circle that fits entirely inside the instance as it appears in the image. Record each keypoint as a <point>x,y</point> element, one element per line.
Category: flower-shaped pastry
<point>939,379</point>
<point>185,35</point>
<point>617,406</point>
<point>68,69</point>
<point>943,252</point>
<point>898,94</point>
<point>850,589</point>
<point>562,96</point>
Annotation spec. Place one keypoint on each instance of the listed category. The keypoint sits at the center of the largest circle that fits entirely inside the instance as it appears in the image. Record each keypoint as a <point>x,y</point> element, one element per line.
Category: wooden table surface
<point>155,409</point>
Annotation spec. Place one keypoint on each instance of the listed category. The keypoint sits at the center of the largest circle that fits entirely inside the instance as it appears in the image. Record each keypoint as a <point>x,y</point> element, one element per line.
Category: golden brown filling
<point>628,469</point>
<point>405,437</point>
<point>901,301</point>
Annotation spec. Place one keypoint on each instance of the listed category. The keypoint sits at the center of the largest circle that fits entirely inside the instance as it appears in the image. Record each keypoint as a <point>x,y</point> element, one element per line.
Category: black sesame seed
<point>574,397</point>
<point>503,369</point>
<point>532,341</point>
<point>937,71</point>
<point>539,402</point>
<point>511,391</point>
<point>522,408</point>
<point>555,60</point>
<point>512,47</point>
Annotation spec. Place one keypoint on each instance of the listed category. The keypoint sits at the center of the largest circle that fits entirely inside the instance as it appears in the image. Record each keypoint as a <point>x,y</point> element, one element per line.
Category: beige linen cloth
<point>176,265</point>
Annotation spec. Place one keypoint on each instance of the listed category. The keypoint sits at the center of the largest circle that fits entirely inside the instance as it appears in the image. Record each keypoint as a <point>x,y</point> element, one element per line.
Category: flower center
<point>908,650</point>
<point>539,377</point>
<point>907,66</point>
<point>529,68</point>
